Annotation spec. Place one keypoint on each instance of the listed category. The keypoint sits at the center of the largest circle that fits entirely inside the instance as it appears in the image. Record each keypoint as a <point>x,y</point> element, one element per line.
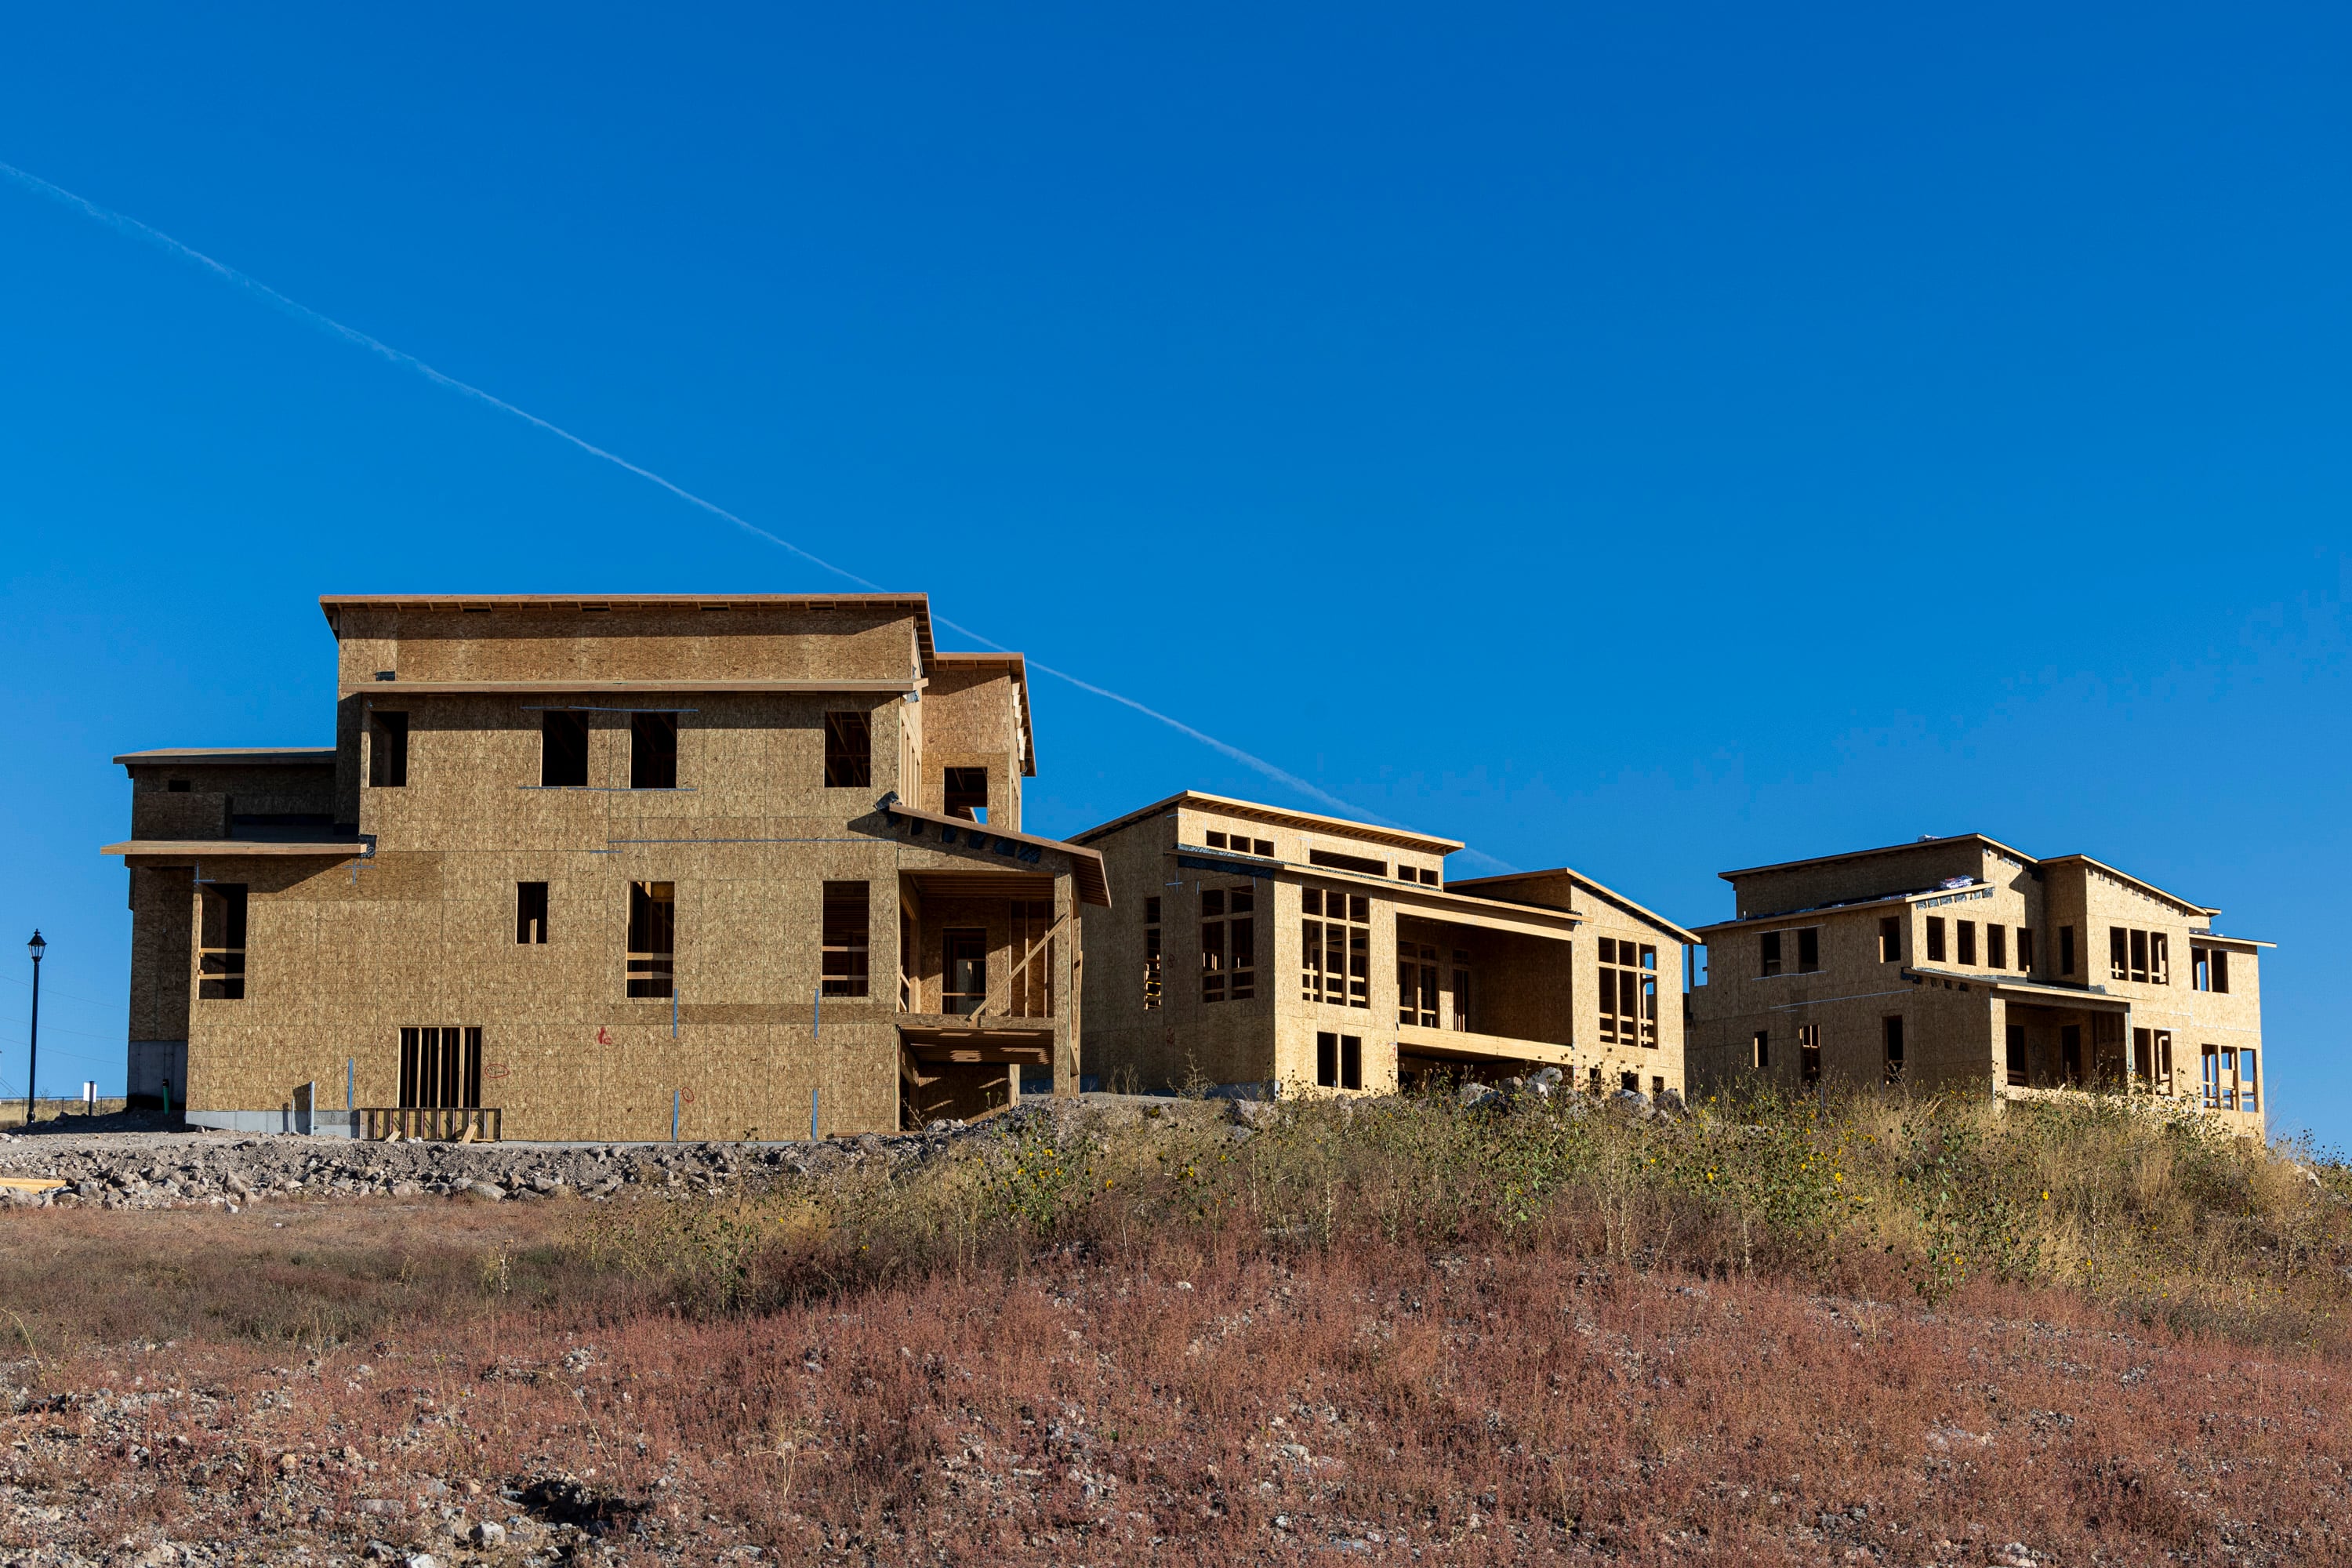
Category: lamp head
<point>37,947</point>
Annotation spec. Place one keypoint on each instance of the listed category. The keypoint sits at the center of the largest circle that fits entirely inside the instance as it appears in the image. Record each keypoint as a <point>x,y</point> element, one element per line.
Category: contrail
<point>122,223</point>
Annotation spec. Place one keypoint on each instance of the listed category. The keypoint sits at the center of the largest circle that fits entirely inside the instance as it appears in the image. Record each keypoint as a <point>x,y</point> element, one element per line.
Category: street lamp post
<point>33,1054</point>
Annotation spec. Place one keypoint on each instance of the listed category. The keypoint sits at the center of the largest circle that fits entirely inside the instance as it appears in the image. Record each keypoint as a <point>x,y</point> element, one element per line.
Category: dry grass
<point>1400,1331</point>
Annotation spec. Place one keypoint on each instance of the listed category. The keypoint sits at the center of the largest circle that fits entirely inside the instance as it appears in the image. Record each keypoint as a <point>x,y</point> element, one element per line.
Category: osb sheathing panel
<point>776,642</point>
<point>970,721</point>
<point>161,936</point>
<point>342,957</point>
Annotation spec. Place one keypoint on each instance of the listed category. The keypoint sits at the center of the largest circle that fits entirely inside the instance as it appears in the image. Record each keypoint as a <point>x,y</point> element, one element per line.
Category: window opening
<point>1228,943</point>
<point>1966,934</point>
<point>1336,948</point>
<point>2138,955</point>
<point>2066,950</point>
<point>1934,938</point>
<point>653,751</point>
<point>1657,1085</point>
<point>2209,968</point>
<point>906,962</point>
<point>1769,953</point>
<point>1760,1050</point>
<point>563,748</point>
<point>967,793</point>
<point>1628,989</point>
<point>1032,989</point>
<point>1630,1082</point>
<point>967,970</point>
<point>2152,1058</point>
<point>1890,939</point>
<point>1338,1060</point>
<point>1809,950</point>
<point>653,938</point>
<point>2024,948</point>
<point>1808,1052</point>
<point>1893,1029</point>
<point>1340,862</point>
<point>848,909</point>
<point>177,787</point>
<point>387,751</point>
<point>1152,955</point>
<point>531,912</point>
<point>1417,984</point>
<point>2019,1071</point>
<point>1460,1020</point>
<point>848,750</point>
<point>2069,1052</point>
<point>2228,1080</point>
<point>441,1068</point>
<point>1996,947</point>
<point>220,961</point>
<point>1240,844</point>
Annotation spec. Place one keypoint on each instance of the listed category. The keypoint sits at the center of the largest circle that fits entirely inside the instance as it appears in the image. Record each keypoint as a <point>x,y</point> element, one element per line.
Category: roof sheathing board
<point>920,604</point>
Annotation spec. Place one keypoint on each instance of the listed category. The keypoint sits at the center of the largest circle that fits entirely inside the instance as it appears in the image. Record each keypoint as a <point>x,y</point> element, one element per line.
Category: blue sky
<point>1652,438</point>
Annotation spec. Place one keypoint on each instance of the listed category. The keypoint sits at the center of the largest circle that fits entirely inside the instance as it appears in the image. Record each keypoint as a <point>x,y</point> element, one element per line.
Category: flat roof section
<point>1254,811</point>
<point>330,603</point>
<point>236,756</point>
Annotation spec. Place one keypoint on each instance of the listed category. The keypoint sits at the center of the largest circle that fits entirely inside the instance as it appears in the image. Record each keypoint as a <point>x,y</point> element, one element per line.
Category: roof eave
<point>1392,838</point>
<point>1648,916</point>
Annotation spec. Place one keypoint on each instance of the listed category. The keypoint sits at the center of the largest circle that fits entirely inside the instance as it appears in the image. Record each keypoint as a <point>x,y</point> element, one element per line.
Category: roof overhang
<point>2024,990</point>
<point>2233,943</point>
<point>958,832</point>
<point>1410,898</point>
<point>557,688</point>
<point>1649,916</point>
<point>333,605</point>
<point>191,849</point>
<point>1255,811</point>
<point>232,756</point>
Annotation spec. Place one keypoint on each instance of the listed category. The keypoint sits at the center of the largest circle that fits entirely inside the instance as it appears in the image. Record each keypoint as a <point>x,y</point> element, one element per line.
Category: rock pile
<point>171,1169</point>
